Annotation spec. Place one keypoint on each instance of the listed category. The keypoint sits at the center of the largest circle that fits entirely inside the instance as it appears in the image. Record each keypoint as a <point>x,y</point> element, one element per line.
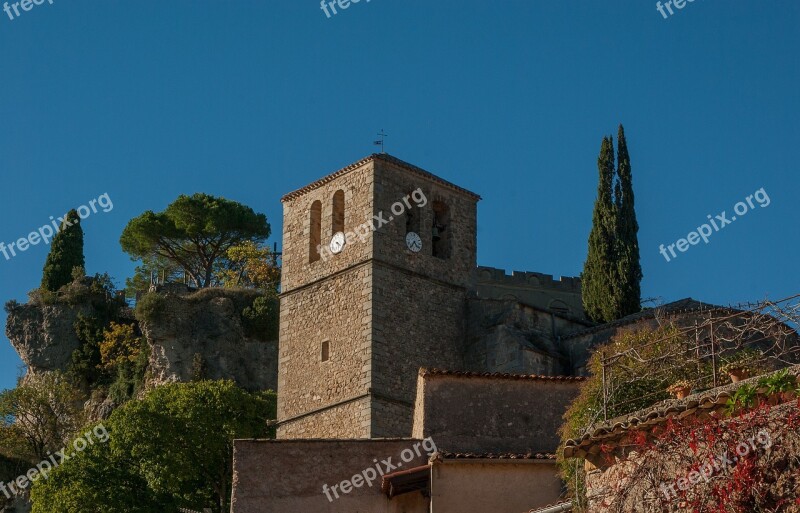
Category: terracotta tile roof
<point>494,456</point>
<point>704,402</point>
<point>498,375</point>
<point>386,158</point>
<point>685,305</point>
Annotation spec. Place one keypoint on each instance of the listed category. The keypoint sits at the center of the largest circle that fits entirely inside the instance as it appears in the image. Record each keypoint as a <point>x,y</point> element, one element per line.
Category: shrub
<point>120,345</point>
<point>150,308</point>
<point>85,365</point>
<point>651,361</point>
<point>261,319</point>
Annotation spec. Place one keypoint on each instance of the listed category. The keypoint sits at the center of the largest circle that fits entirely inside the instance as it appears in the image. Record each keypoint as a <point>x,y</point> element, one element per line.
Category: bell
<point>436,232</point>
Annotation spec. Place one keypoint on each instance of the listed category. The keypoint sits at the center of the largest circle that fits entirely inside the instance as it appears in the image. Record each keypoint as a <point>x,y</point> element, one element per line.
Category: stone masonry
<point>358,303</point>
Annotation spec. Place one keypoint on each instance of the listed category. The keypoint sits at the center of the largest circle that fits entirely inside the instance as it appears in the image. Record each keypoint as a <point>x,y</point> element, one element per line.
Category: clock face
<point>337,243</point>
<point>414,242</point>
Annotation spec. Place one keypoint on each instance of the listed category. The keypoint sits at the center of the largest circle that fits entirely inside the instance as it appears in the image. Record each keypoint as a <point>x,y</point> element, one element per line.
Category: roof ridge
<point>497,375</point>
<point>385,157</point>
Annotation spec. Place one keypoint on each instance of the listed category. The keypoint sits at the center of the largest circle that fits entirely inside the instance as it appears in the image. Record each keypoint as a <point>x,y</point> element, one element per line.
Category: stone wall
<point>470,412</point>
<point>535,289</point>
<point>393,183</point>
<point>400,348</point>
<point>337,311</point>
<point>361,300</point>
<point>288,476</point>
<point>510,337</point>
<point>639,481</point>
<point>357,183</point>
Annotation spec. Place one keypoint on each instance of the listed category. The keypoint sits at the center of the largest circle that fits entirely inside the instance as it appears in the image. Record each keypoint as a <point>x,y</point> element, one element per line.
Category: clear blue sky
<point>251,99</point>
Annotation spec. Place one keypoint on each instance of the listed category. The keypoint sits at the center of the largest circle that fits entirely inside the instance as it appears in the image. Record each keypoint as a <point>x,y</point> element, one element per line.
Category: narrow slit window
<point>338,213</point>
<point>326,351</point>
<point>315,236</point>
<point>442,230</point>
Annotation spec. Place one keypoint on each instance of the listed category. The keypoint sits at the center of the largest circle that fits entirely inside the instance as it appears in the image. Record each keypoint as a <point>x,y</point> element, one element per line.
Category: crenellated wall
<point>536,289</point>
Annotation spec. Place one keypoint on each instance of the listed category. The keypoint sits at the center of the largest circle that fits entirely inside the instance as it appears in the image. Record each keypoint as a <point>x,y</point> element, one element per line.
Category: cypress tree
<point>66,253</point>
<point>629,269</point>
<point>598,277</point>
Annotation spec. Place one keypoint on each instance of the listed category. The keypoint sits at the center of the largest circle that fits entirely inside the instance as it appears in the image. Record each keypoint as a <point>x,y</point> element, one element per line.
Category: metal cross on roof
<point>383,135</point>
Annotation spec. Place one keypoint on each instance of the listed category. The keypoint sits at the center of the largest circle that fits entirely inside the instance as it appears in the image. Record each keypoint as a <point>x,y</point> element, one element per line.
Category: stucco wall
<point>500,487</point>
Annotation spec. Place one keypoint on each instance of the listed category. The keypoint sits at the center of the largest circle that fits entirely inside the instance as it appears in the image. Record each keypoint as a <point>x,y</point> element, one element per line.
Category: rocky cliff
<point>44,335</point>
<point>203,334</point>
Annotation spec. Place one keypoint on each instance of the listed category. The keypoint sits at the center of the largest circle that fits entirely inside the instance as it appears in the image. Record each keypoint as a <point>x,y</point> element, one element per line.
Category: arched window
<point>338,213</point>
<point>413,217</point>
<point>315,234</point>
<point>442,231</point>
<point>559,306</point>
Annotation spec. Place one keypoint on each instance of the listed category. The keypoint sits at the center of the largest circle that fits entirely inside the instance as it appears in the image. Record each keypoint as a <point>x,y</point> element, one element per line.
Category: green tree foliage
<point>165,270</point>
<point>98,479</point>
<point>85,367</point>
<point>597,280</point>
<point>612,273</point>
<point>66,253</point>
<point>261,320</point>
<point>174,448</point>
<point>124,353</point>
<point>40,415</point>
<point>629,268</point>
<point>195,233</point>
<point>252,266</point>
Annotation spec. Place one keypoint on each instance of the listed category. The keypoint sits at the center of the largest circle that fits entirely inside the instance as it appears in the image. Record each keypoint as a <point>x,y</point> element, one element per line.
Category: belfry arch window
<point>315,233</point>
<point>413,217</point>
<point>442,230</point>
<point>337,224</point>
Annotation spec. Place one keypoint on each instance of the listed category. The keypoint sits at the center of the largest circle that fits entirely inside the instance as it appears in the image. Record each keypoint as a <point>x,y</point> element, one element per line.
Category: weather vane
<point>383,135</point>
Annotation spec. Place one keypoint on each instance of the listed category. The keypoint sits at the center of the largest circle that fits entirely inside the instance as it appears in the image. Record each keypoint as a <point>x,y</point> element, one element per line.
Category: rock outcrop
<point>44,335</point>
<point>206,330</point>
<point>196,335</point>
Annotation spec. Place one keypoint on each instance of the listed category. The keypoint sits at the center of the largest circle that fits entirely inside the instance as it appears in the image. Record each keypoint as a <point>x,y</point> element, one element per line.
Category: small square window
<point>326,351</point>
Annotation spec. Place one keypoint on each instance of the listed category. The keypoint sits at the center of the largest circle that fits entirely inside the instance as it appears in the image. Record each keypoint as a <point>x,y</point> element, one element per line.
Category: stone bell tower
<point>379,258</point>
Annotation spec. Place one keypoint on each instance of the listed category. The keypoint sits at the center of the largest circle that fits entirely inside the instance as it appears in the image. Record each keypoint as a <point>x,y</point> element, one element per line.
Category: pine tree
<point>629,269</point>
<point>599,270</point>
<point>66,253</point>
